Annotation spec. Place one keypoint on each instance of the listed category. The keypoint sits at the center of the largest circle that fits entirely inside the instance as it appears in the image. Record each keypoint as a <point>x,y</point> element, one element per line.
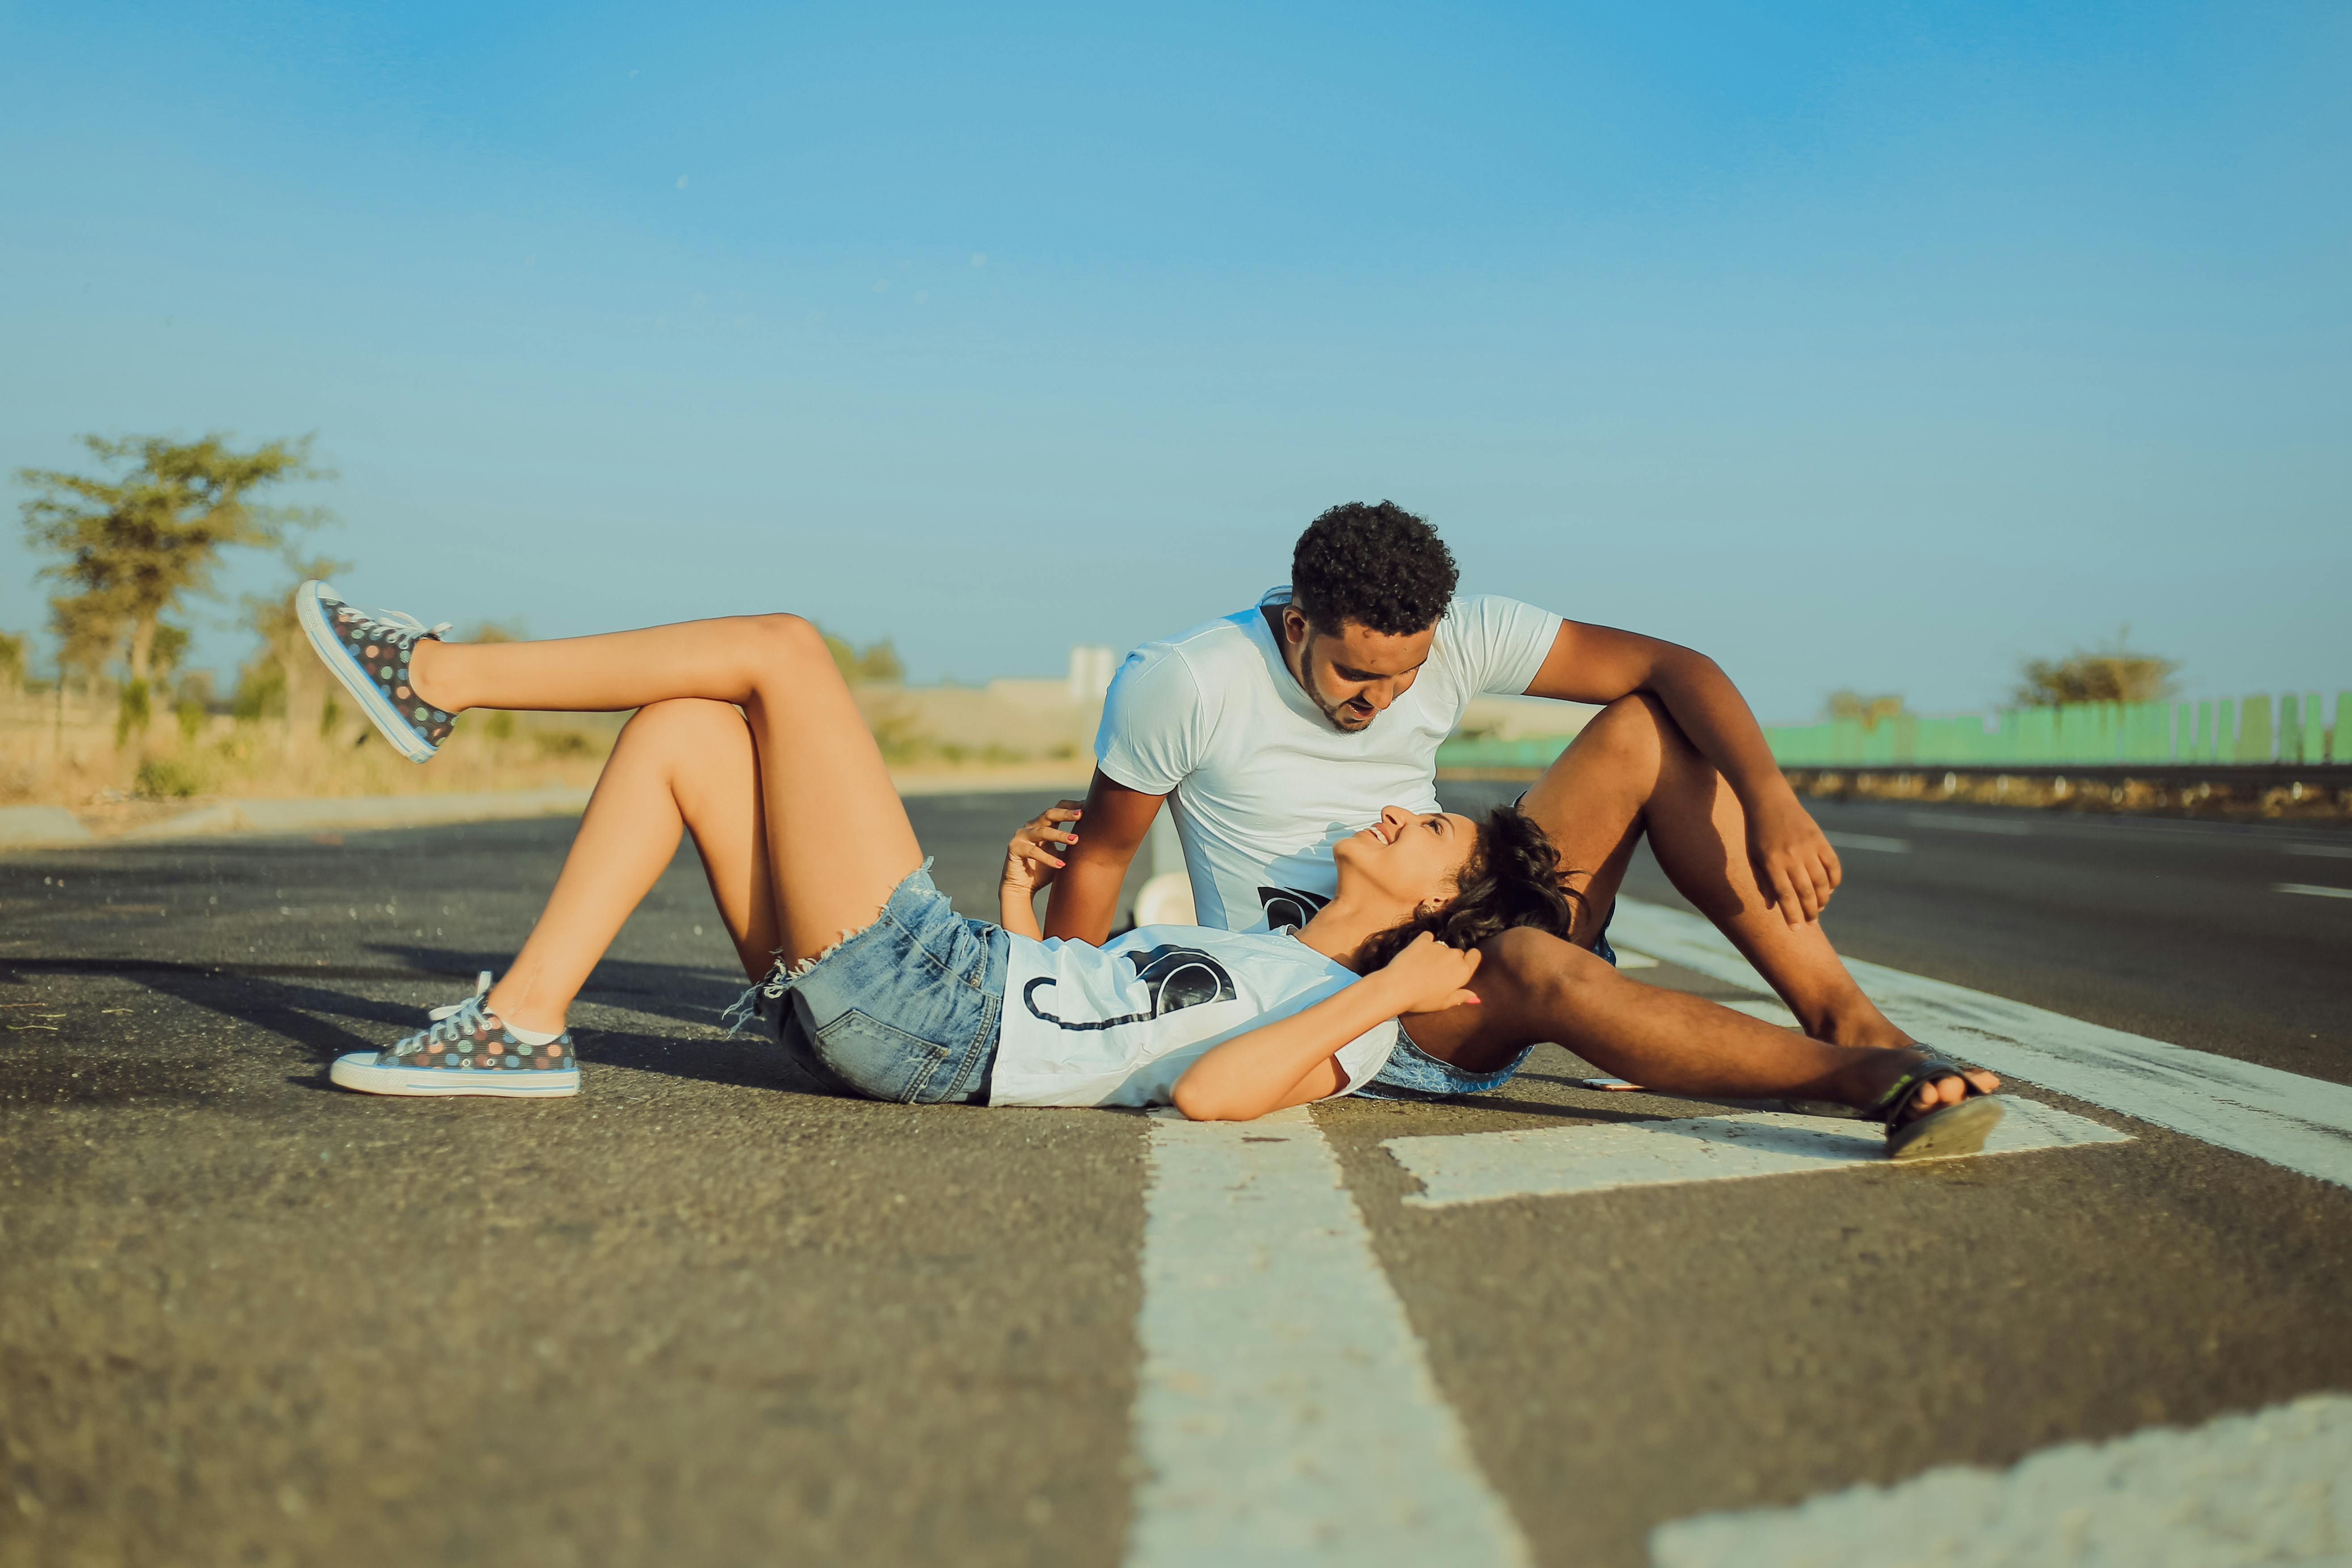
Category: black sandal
<point>1961,1128</point>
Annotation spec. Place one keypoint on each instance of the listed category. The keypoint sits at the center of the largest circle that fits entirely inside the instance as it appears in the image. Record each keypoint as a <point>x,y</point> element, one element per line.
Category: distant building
<point>1090,672</point>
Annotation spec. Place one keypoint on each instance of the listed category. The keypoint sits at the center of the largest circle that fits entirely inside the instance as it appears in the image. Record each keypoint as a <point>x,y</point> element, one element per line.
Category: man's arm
<point>1793,861</point>
<point>1085,899</point>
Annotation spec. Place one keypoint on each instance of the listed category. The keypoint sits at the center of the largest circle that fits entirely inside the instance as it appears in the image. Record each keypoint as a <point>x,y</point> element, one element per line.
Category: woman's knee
<point>687,726</point>
<point>782,639</point>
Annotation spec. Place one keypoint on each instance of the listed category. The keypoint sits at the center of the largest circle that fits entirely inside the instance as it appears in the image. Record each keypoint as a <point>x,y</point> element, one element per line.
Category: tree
<point>2112,674</point>
<point>874,664</point>
<point>136,543</point>
<point>286,667</point>
<point>1848,704</point>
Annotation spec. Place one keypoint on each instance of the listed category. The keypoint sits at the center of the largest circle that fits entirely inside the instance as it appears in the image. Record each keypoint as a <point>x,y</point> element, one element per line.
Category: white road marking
<point>1969,824</point>
<point>1869,841</point>
<point>1547,1162</point>
<point>2311,889</point>
<point>2302,1124</point>
<point>2328,851</point>
<point>1628,959</point>
<point>2272,1487</point>
<point>1286,1414</point>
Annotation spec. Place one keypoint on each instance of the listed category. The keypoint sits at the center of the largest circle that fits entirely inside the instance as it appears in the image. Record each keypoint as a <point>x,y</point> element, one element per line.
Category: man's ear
<point>1294,625</point>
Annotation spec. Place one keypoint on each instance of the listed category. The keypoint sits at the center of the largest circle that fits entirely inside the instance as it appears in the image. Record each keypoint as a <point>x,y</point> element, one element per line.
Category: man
<point>1277,731</point>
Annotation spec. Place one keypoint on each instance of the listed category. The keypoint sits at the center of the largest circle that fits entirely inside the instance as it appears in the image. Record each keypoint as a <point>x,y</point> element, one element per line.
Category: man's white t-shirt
<point>1119,1024</point>
<point>1260,783</point>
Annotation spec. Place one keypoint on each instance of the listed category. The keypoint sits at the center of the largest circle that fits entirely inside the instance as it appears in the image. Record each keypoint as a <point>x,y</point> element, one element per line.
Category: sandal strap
<point>1890,1105</point>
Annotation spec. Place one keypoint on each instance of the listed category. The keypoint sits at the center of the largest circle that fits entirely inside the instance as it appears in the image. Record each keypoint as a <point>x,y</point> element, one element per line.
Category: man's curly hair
<point>1378,566</point>
<point>1513,879</point>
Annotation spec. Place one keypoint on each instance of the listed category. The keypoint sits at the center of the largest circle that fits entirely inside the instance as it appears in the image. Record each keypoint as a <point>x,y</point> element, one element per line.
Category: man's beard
<point>1306,679</point>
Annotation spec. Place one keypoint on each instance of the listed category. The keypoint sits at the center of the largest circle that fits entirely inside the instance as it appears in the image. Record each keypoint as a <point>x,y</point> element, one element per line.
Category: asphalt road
<point>694,1318</point>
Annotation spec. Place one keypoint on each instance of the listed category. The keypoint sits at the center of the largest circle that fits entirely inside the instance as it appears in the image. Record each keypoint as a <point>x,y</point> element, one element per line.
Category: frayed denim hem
<point>781,978</point>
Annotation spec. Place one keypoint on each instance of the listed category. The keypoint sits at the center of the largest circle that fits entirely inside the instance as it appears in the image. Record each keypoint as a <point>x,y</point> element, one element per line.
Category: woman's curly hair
<point>1512,880</point>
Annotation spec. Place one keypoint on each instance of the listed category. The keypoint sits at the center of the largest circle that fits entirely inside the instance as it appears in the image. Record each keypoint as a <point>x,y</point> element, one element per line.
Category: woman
<point>747,738</point>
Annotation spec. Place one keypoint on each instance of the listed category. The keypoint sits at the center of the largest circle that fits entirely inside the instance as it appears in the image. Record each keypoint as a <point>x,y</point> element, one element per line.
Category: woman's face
<point>1413,857</point>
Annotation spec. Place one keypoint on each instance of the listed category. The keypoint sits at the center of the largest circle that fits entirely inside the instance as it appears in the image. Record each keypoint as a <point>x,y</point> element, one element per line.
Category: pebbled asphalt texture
<point>695,1316</point>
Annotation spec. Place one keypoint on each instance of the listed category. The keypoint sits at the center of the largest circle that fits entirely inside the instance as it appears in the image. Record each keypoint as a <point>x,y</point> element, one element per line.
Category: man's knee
<point>1639,727</point>
<point>1537,969</point>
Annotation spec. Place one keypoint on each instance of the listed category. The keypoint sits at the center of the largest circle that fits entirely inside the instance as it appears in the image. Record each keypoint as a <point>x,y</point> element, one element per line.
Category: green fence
<point>2257,729</point>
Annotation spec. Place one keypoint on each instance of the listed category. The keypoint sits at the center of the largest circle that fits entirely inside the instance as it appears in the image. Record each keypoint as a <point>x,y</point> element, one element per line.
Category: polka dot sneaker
<point>468,1050</point>
<point>367,650</point>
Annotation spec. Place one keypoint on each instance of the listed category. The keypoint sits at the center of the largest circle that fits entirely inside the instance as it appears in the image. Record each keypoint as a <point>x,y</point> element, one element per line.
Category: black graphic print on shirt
<point>1174,978</point>
<point>1290,906</point>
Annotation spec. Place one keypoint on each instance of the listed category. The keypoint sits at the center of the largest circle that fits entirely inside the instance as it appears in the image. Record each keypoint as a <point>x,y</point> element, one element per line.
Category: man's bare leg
<point>1631,773</point>
<point>1537,986</point>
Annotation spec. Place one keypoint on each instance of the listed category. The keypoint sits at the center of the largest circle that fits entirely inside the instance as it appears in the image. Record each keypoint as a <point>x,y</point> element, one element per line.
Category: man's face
<point>1355,673</point>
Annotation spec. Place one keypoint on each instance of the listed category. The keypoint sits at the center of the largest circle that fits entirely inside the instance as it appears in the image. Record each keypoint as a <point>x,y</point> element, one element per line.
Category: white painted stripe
<point>1869,841</point>
<point>1548,1162</point>
<point>1286,1414</point>
<point>2272,1487</point>
<point>2329,851</point>
<point>1968,824</point>
<point>1628,959</point>
<point>2311,889</point>
<point>2302,1124</point>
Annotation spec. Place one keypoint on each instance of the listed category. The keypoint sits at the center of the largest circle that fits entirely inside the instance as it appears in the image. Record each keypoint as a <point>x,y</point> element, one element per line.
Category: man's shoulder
<point>1209,646</point>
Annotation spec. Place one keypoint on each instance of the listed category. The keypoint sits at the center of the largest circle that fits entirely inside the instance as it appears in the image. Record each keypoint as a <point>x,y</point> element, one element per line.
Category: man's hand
<point>1429,976</point>
<point>1793,861</point>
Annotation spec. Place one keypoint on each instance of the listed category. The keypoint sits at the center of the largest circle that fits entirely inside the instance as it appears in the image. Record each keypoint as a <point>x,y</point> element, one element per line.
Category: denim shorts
<point>1411,1073</point>
<point>906,1009</point>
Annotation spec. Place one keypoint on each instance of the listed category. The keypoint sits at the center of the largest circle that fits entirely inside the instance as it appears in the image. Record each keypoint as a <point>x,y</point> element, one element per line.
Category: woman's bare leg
<point>836,838</point>
<point>684,763</point>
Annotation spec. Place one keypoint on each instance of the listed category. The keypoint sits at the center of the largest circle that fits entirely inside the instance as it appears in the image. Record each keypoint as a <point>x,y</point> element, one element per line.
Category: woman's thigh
<point>837,837</point>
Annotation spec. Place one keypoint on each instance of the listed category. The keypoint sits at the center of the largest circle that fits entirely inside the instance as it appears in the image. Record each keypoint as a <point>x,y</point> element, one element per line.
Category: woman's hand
<point>1794,864</point>
<point>1029,861</point>
<point>1430,976</point>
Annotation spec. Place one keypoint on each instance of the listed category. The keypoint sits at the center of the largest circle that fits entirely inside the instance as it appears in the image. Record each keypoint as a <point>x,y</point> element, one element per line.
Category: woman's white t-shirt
<point>1117,1024</point>
<point>1261,783</point>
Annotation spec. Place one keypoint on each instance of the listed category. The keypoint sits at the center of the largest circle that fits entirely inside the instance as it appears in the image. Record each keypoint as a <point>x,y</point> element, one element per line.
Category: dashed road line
<point>1869,841</point>
<point>2311,890</point>
<point>2272,1487</point>
<point>2324,851</point>
<point>1969,824</point>
<point>1285,1412</point>
<point>1557,1162</point>
<point>2302,1124</point>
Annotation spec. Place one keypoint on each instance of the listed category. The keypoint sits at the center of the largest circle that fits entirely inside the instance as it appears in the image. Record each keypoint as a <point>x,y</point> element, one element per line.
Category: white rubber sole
<point>359,1070</point>
<point>319,628</point>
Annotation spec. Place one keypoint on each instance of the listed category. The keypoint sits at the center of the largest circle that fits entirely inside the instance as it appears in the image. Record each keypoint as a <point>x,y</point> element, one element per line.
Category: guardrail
<point>2249,731</point>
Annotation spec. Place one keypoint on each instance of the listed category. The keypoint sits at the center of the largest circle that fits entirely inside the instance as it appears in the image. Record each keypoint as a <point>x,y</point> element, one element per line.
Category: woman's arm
<point>1029,865</point>
<point>1289,1062</point>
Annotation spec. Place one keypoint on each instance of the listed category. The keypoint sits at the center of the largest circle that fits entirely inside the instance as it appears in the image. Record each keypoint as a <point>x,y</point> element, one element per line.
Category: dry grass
<point>70,756</point>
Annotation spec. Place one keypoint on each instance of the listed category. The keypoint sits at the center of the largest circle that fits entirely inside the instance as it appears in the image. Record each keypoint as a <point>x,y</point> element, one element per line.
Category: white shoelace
<point>481,990</point>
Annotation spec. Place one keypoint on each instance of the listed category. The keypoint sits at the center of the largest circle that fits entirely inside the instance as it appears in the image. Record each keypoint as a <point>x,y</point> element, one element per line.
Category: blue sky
<point>1856,345</point>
